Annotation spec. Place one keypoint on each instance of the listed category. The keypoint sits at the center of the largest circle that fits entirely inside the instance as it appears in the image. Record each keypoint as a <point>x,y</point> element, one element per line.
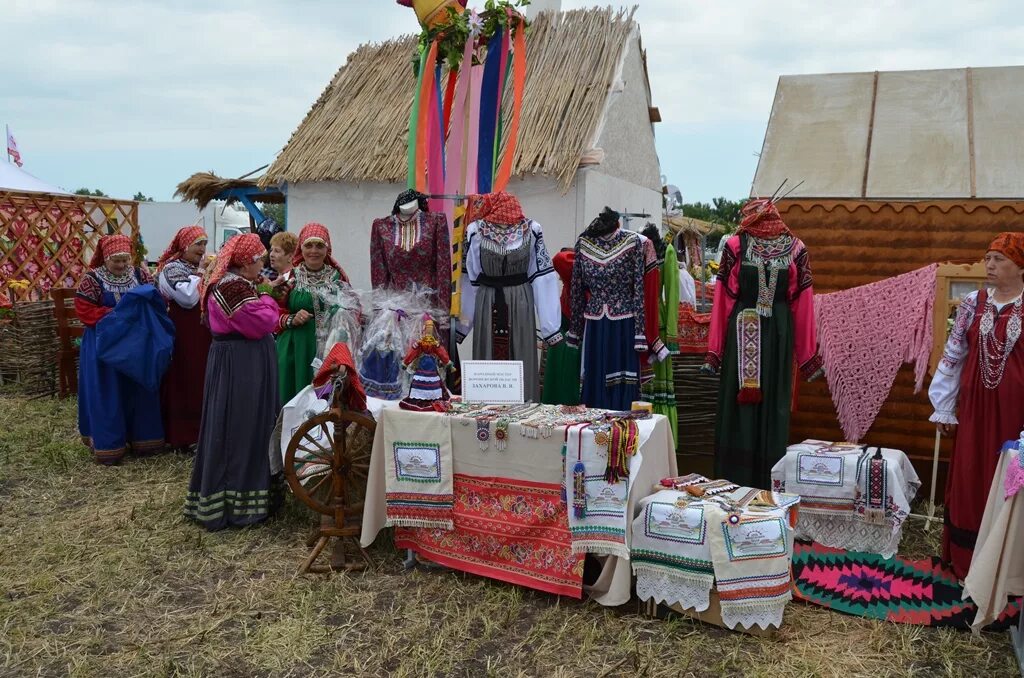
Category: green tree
<point>141,197</point>
<point>276,212</point>
<point>97,193</point>
<point>721,211</point>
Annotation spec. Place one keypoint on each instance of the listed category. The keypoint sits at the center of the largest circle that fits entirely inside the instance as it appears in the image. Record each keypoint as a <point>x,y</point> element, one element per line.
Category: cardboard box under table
<point>506,506</point>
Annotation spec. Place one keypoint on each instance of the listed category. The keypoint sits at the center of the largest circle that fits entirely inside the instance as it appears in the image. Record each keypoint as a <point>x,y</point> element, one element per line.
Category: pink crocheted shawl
<point>866,334</point>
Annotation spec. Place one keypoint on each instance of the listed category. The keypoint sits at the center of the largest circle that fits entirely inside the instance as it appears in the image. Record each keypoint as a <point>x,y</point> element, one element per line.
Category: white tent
<point>13,178</point>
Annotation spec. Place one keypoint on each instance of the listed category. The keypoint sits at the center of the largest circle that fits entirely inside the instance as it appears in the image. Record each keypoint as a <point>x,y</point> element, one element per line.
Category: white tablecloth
<point>997,567</point>
<point>528,459</point>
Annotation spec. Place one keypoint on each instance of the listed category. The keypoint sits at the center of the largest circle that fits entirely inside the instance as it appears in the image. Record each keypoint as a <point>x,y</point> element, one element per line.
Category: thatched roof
<point>682,225</point>
<point>202,187</point>
<point>357,129</point>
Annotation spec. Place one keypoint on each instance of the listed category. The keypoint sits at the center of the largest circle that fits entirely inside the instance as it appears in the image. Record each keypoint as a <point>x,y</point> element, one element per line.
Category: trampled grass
<point>100,576</point>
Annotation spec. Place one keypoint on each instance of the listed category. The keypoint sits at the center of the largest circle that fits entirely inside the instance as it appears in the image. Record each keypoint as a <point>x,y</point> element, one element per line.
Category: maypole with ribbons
<point>468,65</point>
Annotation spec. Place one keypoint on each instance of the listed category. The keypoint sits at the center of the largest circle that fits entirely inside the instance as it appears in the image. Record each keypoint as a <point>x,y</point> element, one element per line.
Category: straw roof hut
<point>586,137</point>
<point>900,170</point>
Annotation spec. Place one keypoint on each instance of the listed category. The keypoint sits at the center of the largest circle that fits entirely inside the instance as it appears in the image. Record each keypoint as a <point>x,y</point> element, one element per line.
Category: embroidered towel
<point>866,334</point>
<point>602,530</point>
<point>418,465</point>
<point>843,504</point>
<point>752,564</point>
<point>670,552</point>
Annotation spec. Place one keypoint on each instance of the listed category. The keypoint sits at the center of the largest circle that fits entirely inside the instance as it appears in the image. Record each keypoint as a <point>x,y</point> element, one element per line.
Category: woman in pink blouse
<point>231,482</point>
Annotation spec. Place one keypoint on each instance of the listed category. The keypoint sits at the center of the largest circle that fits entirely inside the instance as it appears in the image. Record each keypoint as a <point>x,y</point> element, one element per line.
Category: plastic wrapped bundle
<point>391,332</point>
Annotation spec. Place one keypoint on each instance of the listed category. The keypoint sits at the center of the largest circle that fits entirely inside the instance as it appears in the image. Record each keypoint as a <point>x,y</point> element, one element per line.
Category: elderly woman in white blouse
<point>180,271</point>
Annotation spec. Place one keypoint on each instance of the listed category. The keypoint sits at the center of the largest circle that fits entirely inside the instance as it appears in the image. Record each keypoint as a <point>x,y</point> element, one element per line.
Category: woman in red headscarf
<point>978,393</point>
<point>313,298</point>
<point>179,273</point>
<point>114,413</point>
<point>762,322</point>
<point>231,480</point>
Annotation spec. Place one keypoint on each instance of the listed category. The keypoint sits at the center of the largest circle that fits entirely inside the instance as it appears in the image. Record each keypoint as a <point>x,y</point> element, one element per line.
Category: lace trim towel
<point>418,467</point>
<point>866,334</point>
<point>752,559</point>
<point>670,551</point>
<point>835,495</point>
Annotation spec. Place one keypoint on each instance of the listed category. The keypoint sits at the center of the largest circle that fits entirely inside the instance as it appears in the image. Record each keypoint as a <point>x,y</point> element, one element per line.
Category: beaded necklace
<point>319,284</point>
<point>116,284</point>
<point>407,232</point>
<point>995,353</point>
<point>770,257</point>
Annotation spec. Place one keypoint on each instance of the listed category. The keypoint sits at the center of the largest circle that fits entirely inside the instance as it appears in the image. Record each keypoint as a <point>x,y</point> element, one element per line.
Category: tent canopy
<point>13,178</point>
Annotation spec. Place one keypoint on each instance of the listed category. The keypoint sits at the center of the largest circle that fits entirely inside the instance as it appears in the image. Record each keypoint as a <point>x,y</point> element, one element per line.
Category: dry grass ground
<point>100,576</point>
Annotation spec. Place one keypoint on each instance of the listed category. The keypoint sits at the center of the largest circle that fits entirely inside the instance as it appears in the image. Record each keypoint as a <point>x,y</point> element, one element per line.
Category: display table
<point>731,552</point>
<point>509,515</point>
<point>997,568</point>
<point>850,498</point>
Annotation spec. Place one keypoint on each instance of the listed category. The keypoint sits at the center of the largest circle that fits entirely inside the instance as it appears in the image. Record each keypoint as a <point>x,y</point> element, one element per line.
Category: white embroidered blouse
<point>945,387</point>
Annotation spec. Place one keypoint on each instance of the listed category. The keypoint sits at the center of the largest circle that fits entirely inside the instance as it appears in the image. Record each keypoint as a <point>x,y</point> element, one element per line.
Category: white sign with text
<point>492,381</point>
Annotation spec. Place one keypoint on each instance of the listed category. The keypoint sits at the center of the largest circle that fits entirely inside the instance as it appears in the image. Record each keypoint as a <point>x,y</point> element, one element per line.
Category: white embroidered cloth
<point>418,471</point>
<point>603,529</point>
<point>825,476</point>
<point>682,546</point>
<point>670,551</point>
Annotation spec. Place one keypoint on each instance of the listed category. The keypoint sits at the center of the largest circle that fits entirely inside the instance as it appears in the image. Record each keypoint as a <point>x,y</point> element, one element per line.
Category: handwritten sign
<point>492,381</point>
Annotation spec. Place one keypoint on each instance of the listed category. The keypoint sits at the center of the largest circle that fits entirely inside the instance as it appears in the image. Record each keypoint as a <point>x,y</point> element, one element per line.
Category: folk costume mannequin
<point>114,413</point>
<point>978,393</point>
<point>660,391</point>
<point>562,369</point>
<point>179,273</point>
<point>231,482</point>
<point>762,319</point>
<point>509,287</point>
<point>307,309</point>
<point>410,250</point>
<point>607,312</point>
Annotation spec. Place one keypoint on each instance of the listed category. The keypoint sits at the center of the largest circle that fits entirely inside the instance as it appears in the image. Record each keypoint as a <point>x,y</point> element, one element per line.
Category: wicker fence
<point>28,349</point>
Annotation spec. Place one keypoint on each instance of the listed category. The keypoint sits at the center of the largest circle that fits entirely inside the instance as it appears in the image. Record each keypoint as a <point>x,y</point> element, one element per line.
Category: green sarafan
<point>100,575</point>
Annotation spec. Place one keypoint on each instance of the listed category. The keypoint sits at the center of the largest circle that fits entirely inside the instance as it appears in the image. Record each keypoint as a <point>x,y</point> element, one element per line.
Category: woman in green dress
<point>308,306</point>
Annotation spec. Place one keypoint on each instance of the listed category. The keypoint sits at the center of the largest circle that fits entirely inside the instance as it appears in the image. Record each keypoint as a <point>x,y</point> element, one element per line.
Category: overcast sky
<point>136,95</point>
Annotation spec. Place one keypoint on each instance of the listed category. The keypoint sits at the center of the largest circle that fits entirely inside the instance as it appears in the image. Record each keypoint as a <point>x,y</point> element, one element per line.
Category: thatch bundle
<point>203,187</point>
<point>358,129</point>
<point>678,225</point>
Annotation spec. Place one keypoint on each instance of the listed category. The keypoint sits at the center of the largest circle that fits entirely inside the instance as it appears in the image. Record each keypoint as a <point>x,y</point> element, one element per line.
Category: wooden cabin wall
<point>854,243</point>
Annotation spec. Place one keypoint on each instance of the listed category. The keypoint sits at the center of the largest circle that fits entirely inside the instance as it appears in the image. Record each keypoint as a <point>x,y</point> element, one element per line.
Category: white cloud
<point>163,75</point>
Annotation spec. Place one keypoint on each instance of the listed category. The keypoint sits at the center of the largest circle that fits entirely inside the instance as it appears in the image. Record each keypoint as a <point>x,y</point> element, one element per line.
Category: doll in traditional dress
<point>428,363</point>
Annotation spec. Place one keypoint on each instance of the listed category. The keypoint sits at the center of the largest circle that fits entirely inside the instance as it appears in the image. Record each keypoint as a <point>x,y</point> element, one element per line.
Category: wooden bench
<point>68,329</point>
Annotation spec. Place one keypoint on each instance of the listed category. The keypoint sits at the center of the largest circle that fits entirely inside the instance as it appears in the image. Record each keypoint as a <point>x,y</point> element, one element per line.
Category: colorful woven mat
<point>922,592</point>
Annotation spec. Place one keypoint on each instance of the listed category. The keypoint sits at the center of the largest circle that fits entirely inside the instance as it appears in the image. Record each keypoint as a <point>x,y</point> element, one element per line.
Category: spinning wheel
<point>326,465</point>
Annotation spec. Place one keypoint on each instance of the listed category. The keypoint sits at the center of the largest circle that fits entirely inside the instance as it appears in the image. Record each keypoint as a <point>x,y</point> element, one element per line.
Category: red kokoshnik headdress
<point>109,246</point>
<point>317,232</point>
<point>1010,245</point>
<point>185,238</point>
<point>761,219</point>
<point>239,251</point>
<point>497,208</point>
